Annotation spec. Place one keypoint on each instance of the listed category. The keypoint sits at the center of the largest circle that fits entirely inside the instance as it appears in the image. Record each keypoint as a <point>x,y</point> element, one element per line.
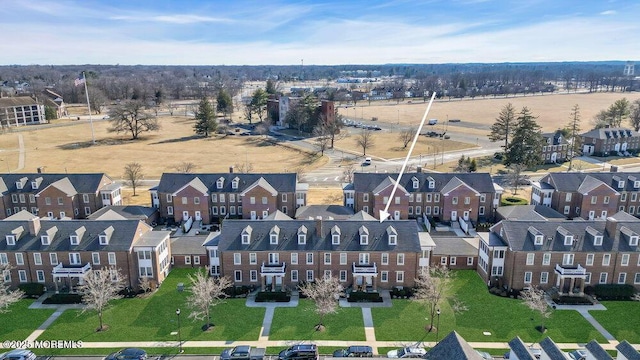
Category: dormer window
<point>302,235</point>
<point>392,234</point>
<point>633,240</point>
<point>245,239</point>
<point>432,183</point>
<point>45,240</point>
<point>416,183</point>
<point>11,239</point>
<point>568,240</point>
<point>636,184</point>
<point>597,240</point>
<point>335,235</point>
<point>106,235</point>
<point>621,184</point>
<point>19,185</point>
<point>364,235</point>
<point>234,183</point>
<point>246,235</point>
<point>34,185</point>
<point>74,239</point>
<point>273,235</point>
<point>539,239</point>
<point>104,240</point>
<point>220,183</point>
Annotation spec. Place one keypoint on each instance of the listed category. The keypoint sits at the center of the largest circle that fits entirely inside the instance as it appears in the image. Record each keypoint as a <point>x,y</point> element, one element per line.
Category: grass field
<point>154,318</point>
<point>69,149</point>
<point>621,319</point>
<point>553,110</point>
<point>20,321</point>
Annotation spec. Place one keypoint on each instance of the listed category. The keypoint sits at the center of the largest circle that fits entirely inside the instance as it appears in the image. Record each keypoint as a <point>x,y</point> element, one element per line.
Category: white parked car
<point>18,354</point>
<point>407,353</point>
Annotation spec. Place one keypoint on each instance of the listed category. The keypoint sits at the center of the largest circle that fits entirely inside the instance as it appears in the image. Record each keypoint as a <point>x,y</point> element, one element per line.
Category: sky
<point>323,32</point>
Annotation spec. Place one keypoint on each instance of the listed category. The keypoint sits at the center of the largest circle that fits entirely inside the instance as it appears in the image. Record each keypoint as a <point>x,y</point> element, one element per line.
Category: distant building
<point>555,148</point>
<point>610,141</point>
<point>21,110</point>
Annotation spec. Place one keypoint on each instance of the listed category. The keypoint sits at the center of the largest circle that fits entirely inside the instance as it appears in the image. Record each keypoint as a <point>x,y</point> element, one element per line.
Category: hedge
<point>512,200</point>
<point>614,291</point>
<point>361,296</point>
<point>32,289</point>
<point>277,296</point>
<point>63,299</point>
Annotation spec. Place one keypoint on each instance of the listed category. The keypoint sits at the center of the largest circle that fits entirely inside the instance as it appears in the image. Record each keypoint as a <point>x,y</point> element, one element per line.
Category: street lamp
<point>179,339</point>
<point>438,325</point>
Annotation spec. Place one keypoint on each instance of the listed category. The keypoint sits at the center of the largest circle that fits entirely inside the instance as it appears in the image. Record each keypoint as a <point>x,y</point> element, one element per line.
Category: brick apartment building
<point>556,147</point>
<point>280,254</point>
<point>278,107</point>
<point>588,195</point>
<point>212,197</point>
<point>565,254</point>
<point>447,197</point>
<point>59,254</point>
<point>57,195</point>
<point>610,141</point>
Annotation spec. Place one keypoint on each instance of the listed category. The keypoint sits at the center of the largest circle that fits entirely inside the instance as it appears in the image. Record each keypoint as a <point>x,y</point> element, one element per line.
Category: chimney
<point>34,226</point>
<point>419,169</point>
<point>319,226</point>
<point>614,168</point>
<point>40,169</point>
<point>231,169</point>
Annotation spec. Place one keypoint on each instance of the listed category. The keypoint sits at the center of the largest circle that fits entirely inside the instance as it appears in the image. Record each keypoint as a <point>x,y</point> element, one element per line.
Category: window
<point>253,275</point>
<point>384,259</point>
<point>11,239</point>
<point>343,258</point>
<point>443,260</point>
<point>597,240</point>
<point>245,239</point>
<point>418,210</point>
<point>44,239</point>
<point>22,276</point>
<point>625,260</point>
<point>302,239</point>
<point>606,259</point>
<point>196,200</point>
<point>481,210</point>
<point>418,197</point>
<point>400,259</point>
<point>622,278</point>
<point>544,277</point>
<point>416,183</point>
<point>232,198</point>
<point>429,197</point>
<point>636,278</point>
<point>385,200</point>
<point>237,259</point>
<point>327,258</point>
<point>633,240</point>
<point>145,271</point>
<point>284,197</point>
<point>265,201</point>
<point>253,258</point>
<point>19,259</point>
<point>467,200</point>
<point>453,260</point>
<point>531,258</point>
<point>538,240</point>
<point>223,210</point>
<point>623,196</point>
<point>496,271</point>
<point>384,276</point>
<point>47,200</point>
<point>237,275</point>
<point>40,275</point>
<point>527,277</point>
<point>87,210</point>
<point>363,258</point>
<point>60,201</point>
<point>567,197</point>
<point>567,259</point>
<point>364,239</point>
<point>454,200</point>
<point>309,258</point>
<point>273,239</point>
<point>606,199</point>
<point>252,200</point>
<point>327,274</point>
<point>469,260</point>
<point>483,198</point>
<point>335,239</point>
<point>594,200</point>
<point>85,198</point>
<point>37,259</point>
<point>568,240</point>
<point>310,275</point>
<point>294,275</point>
<point>589,260</point>
<point>53,258</point>
<point>393,239</point>
<point>587,279</point>
<point>294,258</point>
<point>498,254</point>
<point>567,209</point>
<point>14,198</point>
<point>399,276</point>
<point>95,258</point>
<point>603,277</point>
<point>112,258</point>
<point>169,210</point>
<point>397,200</point>
<point>74,240</point>
<point>365,197</point>
<point>365,209</point>
<point>436,210</point>
<point>343,276</point>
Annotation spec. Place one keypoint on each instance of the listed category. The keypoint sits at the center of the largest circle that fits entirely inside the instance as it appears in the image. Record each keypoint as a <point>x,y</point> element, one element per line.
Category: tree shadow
<point>89,143</point>
<point>181,139</point>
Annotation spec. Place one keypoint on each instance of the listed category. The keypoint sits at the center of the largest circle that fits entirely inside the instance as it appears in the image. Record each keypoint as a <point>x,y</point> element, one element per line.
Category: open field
<point>69,149</point>
<point>552,110</point>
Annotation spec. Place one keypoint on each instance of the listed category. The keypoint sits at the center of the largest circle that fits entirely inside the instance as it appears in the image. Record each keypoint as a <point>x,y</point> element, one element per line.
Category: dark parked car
<point>354,351</point>
<point>299,352</point>
<point>18,354</point>
<point>128,354</point>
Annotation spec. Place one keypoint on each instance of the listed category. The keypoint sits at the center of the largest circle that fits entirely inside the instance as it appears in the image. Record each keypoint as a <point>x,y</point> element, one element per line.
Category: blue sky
<point>278,32</point>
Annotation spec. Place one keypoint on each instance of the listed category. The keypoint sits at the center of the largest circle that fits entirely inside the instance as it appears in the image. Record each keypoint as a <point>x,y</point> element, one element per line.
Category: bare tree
<point>7,296</point>
<point>348,173</point>
<point>433,286</point>
<point>131,117</point>
<point>244,167</point>
<point>145,284</point>
<point>325,293</point>
<point>634,114</point>
<point>322,138</point>
<point>99,288</point>
<point>97,100</point>
<point>206,292</point>
<point>406,136</point>
<point>133,175</point>
<point>515,177</point>
<point>365,140</point>
<point>534,299</point>
<point>185,167</point>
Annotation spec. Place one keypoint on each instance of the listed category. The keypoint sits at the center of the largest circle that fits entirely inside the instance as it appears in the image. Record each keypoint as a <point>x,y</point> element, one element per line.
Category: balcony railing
<point>71,270</point>
<point>571,270</point>
<point>365,269</point>
<point>272,269</point>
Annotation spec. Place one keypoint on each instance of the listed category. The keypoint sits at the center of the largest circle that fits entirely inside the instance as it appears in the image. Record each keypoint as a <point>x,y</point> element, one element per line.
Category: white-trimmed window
<point>469,260</point>
<point>384,258</point>
<point>343,276</point>
<point>85,198</point>
<point>589,261</point>
<point>237,275</point>
<point>37,258</point>
<point>399,276</point>
<point>443,260</point>
<point>335,239</point>
<point>527,277</point>
<point>294,258</point>
<point>22,276</point>
<point>546,258</point>
<point>363,258</point>
<point>567,259</point>
<point>606,259</point>
<point>237,259</point>
<point>75,240</point>
<point>327,258</point>
<point>327,274</point>
<point>309,258</point>
<point>19,259</point>
<point>169,210</point>
<point>365,197</point>
<point>53,258</point>
<point>603,277</point>
<point>284,197</point>
<point>294,275</point>
<point>544,277</point>
<point>597,240</point>
<point>253,275</point>
<point>253,258</point>
<point>95,258</point>
<point>624,261</point>
<point>384,276</point>
<point>587,278</point>
<point>531,257</point>
<point>40,276</point>
<point>310,275</point>
<point>11,239</point>
<point>4,259</point>
<point>622,278</point>
<point>343,258</point>
<point>633,240</point>
<point>400,259</point>
<point>453,260</point>
<point>112,258</point>
<point>636,278</point>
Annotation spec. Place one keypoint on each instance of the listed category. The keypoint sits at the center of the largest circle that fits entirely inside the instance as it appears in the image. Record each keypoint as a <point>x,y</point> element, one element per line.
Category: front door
<point>396,215</point>
<point>592,214</point>
<point>185,215</point>
<point>465,216</point>
<point>253,215</point>
<point>454,215</point>
<point>554,157</point>
<point>198,216</point>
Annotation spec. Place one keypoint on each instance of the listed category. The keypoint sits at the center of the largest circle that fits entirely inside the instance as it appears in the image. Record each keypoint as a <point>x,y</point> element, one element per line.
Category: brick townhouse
<point>566,254</point>
<point>275,254</point>
<point>57,195</point>
<point>610,141</point>
<point>60,253</point>
<point>555,148</point>
<point>447,197</point>
<point>212,197</point>
<point>588,195</point>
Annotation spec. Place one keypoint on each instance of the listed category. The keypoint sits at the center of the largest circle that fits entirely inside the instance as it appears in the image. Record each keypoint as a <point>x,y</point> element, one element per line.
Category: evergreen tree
<point>525,147</point>
<point>224,103</point>
<point>504,125</point>
<point>258,103</point>
<point>206,123</point>
<point>50,113</point>
<point>271,87</point>
<point>574,134</point>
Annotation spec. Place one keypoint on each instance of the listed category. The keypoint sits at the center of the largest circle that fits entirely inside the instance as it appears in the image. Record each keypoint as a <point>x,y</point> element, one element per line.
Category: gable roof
<point>282,182</point>
<point>520,349</point>
<point>17,101</point>
<point>118,212</point>
<point>628,351</point>
<point>83,183</point>
<point>325,211</point>
<point>63,185</point>
<point>367,182</point>
<point>529,212</point>
<point>608,133</point>
<point>263,184</point>
<point>452,347</point>
<point>388,182</point>
<point>572,181</point>
<point>590,183</point>
<point>455,183</point>
<point>552,350</point>
<point>195,183</point>
<point>597,351</point>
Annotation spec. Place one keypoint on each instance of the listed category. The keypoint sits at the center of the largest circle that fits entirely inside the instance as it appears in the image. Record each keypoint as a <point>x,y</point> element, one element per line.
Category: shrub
<point>32,289</point>
<point>512,200</point>
<point>571,300</point>
<point>361,296</point>
<point>270,296</point>
<point>238,291</point>
<point>614,291</point>
<point>63,299</point>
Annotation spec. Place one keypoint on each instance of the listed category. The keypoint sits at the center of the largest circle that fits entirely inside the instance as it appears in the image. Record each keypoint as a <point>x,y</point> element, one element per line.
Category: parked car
<point>535,351</point>
<point>18,354</point>
<point>407,353</point>
<point>128,354</point>
<point>578,355</point>
<point>354,351</point>
<point>367,161</point>
<point>299,352</point>
<point>242,352</point>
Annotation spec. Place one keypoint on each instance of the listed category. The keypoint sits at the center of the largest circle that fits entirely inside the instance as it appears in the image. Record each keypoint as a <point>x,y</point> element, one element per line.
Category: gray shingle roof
<point>337,212</point>
<point>572,181</point>
<point>520,349</point>
<point>367,182</point>
<point>628,351</point>
<point>452,347</point>
<point>171,182</point>
<point>454,246</point>
<point>82,183</point>
<point>602,133</point>
<point>552,350</point>
<point>319,238</point>
<point>597,351</point>
<point>188,245</point>
<point>130,212</point>
<point>528,212</point>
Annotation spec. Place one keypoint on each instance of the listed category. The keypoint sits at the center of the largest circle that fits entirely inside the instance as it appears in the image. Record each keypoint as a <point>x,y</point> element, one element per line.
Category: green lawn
<point>621,319</point>
<point>504,318</point>
<point>154,318</point>
<point>20,321</point>
<point>298,324</point>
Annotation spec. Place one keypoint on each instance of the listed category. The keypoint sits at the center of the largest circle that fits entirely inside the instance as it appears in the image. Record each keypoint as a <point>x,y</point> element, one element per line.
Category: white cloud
<point>609,12</point>
<point>173,19</point>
